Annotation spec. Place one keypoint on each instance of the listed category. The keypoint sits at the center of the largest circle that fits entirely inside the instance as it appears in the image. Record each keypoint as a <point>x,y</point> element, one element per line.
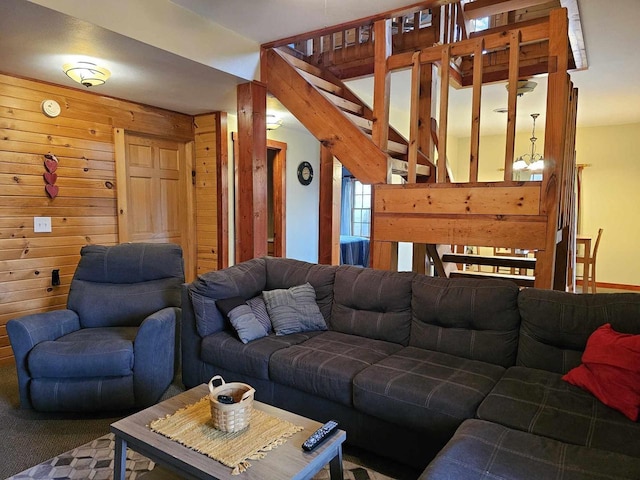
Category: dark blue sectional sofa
<point>460,376</point>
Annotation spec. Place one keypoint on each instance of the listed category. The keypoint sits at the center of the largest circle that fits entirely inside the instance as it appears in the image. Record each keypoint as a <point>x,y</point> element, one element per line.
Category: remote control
<point>319,435</point>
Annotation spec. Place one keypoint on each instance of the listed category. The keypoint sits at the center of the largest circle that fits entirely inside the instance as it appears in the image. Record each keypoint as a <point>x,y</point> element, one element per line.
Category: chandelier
<point>530,161</point>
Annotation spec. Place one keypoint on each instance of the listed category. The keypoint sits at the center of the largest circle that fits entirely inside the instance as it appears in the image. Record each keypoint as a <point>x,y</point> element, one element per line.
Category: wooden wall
<point>210,203</point>
<point>84,211</point>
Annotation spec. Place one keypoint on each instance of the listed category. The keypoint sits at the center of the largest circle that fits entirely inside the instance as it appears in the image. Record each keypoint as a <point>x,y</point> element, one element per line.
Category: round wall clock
<point>50,108</point>
<point>305,173</point>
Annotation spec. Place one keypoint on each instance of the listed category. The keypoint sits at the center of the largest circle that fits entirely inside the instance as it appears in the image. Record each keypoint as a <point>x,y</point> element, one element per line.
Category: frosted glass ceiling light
<point>86,73</point>
<point>273,122</point>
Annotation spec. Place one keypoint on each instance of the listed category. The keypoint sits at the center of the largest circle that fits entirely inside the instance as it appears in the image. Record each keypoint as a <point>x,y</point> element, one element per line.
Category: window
<point>480,24</point>
<point>361,211</point>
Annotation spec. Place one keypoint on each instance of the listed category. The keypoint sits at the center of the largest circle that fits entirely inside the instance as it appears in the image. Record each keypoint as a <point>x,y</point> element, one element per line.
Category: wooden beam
<point>222,187</point>
<point>576,38</point>
<point>444,113</point>
<point>514,70</point>
<point>279,168</point>
<point>330,201</point>
<point>554,144</point>
<point>488,8</point>
<point>492,231</point>
<point>474,156</point>
<point>414,118</point>
<point>381,84</point>
<point>251,192</point>
<point>460,199</point>
<point>497,40</point>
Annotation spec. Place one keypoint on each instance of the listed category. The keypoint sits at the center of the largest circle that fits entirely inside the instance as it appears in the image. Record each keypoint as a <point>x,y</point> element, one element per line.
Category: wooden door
<point>155,201</point>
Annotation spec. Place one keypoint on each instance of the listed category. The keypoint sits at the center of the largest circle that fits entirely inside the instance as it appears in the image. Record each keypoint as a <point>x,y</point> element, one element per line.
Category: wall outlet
<point>41,224</point>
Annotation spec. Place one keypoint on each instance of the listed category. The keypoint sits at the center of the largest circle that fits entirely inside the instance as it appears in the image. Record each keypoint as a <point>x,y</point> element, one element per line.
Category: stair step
<point>520,280</point>
<point>401,167</point>
<point>395,148</point>
<point>301,64</point>
<point>343,104</point>
<point>495,261</point>
<point>321,83</point>
<point>364,123</point>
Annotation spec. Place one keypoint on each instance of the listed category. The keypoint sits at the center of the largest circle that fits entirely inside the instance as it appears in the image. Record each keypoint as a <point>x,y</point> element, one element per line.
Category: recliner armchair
<point>113,348</point>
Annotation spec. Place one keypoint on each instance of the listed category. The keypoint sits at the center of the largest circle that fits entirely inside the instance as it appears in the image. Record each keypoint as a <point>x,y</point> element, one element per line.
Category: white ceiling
<point>188,55</point>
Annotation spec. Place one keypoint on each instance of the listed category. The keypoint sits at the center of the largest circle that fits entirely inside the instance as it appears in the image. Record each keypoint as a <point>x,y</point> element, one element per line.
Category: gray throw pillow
<point>242,319</point>
<point>208,317</point>
<point>294,310</point>
<point>259,309</point>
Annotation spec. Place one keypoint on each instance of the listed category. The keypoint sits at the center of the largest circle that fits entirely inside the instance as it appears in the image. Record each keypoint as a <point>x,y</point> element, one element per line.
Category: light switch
<point>41,224</point>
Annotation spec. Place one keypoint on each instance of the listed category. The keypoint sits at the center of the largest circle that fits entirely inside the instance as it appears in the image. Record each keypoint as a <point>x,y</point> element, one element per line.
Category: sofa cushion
<point>326,364</point>
<point>372,303</point>
<point>482,449</point>
<point>424,389</point>
<point>294,309</point>
<point>470,318</point>
<point>556,325</point>
<point>610,370</point>
<point>287,272</point>
<point>540,402</point>
<point>88,352</point>
<point>223,349</point>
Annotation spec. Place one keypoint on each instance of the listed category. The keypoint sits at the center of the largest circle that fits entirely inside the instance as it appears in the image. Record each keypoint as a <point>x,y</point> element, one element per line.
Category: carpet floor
<point>32,443</point>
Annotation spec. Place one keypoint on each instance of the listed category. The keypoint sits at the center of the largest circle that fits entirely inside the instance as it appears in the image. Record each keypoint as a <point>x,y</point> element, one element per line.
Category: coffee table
<point>286,461</point>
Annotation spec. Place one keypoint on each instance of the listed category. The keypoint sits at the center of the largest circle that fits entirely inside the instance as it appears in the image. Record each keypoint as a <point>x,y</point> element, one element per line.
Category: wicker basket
<point>232,417</point>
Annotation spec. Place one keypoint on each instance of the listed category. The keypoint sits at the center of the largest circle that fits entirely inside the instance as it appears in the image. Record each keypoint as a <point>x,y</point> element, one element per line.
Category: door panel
<point>155,168</point>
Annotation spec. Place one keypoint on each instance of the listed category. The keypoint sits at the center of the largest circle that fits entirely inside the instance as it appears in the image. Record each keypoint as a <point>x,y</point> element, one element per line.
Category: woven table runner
<point>190,426</point>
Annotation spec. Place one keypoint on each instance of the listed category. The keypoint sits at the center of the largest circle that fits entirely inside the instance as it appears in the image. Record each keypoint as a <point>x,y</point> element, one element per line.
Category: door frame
<point>187,195</point>
<point>279,196</point>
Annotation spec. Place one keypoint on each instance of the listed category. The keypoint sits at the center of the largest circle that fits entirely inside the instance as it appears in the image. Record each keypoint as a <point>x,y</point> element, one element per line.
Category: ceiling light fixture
<point>273,122</point>
<point>530,161</point>
<point>86,73</point>
<point>524,86</point>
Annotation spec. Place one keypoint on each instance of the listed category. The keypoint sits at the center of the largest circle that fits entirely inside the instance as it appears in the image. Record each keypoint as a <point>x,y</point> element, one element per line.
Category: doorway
<point>276,198</point>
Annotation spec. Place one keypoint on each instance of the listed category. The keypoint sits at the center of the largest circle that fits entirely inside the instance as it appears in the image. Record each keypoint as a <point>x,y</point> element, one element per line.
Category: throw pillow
<point>259,309</point>
<point>294,310</point>
<point>208,317</point>
<point>610,370</point>
<point>242,319</point>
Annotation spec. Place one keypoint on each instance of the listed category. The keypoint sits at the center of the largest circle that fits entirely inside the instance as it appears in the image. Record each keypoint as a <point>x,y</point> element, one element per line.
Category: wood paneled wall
<point>84,211</point>
<point>210,176</point>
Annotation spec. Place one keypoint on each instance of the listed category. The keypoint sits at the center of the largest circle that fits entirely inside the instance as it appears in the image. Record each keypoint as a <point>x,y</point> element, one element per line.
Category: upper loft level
<point>347,50</point>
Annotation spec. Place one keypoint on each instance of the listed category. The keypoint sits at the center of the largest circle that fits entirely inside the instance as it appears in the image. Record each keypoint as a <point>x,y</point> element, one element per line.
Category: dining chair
<point>589,270</point>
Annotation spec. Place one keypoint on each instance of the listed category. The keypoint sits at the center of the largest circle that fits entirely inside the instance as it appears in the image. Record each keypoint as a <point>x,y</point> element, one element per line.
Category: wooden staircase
<point>339,119</point>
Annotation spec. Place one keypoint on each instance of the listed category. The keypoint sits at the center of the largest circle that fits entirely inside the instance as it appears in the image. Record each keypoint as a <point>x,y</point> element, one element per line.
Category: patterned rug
<point>94,461</point>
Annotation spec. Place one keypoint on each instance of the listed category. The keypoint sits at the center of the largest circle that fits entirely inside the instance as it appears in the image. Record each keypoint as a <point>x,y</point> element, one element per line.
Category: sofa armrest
<point>28,331</point>
<point>191,343</point>
<point>154,355</point>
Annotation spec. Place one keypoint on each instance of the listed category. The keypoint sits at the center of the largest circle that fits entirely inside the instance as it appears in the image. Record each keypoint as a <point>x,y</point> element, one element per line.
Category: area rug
<point>94,461</point>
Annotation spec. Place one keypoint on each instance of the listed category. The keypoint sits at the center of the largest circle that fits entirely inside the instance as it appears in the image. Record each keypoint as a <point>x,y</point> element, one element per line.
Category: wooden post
<point>514,68</point>
<point>444,113</point>
<point>251,193</point>
<point>381,83</point>
<point>414,118</point>
<point>554,142</point>
<point>330,201</point>
<point>475,113</point>
<point>222,180</point>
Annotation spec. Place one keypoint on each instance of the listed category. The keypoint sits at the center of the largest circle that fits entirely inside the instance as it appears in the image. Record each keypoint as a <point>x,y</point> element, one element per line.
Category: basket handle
<point>217,377</point>
<point>247,394</point>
